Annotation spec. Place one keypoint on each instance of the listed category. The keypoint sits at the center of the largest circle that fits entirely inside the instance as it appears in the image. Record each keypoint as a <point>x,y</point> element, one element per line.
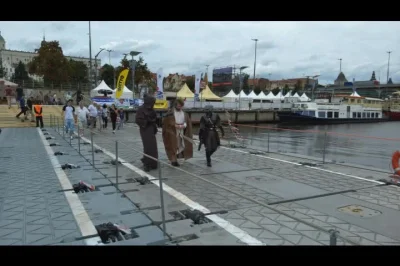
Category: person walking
<point>38,114</point>
<point>82,113</point>
<point>92,115</point>
<point>113,116</point>
<point>177,133</point>
<point>29,103</point>
<point>23,108</point>
<point>121,117</point>
<point>105,116</point>
<point>208,134</point>
<point>146,119</point>
<point>69,118</point>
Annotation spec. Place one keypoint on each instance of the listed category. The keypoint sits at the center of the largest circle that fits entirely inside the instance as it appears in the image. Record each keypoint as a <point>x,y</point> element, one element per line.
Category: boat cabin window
<point>321,114</point>
<point>372,115</point>
<point>368,115</point>
<point>358,101</point>
<point>364,115</point>
<point>354,114</point>
<point>329,115</point>
<point>377,115</point>
<point>336,114</point>
<point>311,113</point>
<point>359,115</point>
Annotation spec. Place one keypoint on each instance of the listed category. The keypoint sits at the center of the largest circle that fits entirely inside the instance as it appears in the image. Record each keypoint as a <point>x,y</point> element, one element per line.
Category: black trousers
<point>105,122</point>
<point>114,123</point>
<point>39,119</point>
<point>208,155</point>
<point>23,111</point>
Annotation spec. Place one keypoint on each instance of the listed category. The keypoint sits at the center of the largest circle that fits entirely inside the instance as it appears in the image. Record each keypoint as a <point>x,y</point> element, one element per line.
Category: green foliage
<point>142,74</point>
<point>1,68</point>
<point>20,72</point>
<point>298,86</point>
<point>190,82</point>
<point>246,87</point>
<point>275,91</point>
<point>78,71</point>
<point>107,74</point>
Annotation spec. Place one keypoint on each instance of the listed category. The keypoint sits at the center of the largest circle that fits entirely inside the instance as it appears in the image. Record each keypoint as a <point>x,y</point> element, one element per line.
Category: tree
<point>50,63</point>
<point>107,74</point>
<point>298,86</point>
<point>77,71</point>
<point>20,72</point>
<point>1,68</point>
<point>246,87</point>
<point>190,82</point>
<point>142,73</point>
<point>285,89</point>
<point>275,91</point>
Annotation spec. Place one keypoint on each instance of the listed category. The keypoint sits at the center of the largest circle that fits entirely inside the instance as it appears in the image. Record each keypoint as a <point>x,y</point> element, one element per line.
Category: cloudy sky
<point>285,49</point>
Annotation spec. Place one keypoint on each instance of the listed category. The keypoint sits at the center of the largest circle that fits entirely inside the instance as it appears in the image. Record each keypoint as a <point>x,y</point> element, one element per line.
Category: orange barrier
<point>395,162</point>
<point>316,131</point>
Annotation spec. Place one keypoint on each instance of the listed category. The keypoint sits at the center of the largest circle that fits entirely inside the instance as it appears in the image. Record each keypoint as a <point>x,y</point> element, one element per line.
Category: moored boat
<point>391,107</point>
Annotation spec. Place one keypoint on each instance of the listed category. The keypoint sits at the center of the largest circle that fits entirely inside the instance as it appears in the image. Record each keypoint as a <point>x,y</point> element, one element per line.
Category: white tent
<point>304,98</point>
<point>262,96</point>
<point>243,95</point>
<point>252,95</point>
<point>296,95</point>
<point>126,93</point>
<point>270,96</point>
<point>288,94</point>
<point>231,95</point>
<point>279,96</point>
<point>102,86</point>
<point>355,94</point>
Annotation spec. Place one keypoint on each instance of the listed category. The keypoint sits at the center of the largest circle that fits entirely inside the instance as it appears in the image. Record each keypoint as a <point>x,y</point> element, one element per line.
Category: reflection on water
<point>350,149</point>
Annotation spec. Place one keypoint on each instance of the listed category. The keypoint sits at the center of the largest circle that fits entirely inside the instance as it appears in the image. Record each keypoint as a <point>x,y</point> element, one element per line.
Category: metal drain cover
<point>359,211</point>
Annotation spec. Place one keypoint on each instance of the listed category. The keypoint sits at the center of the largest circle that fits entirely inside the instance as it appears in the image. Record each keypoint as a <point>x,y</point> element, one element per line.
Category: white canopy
<point>262,96</point>
<point>304,98</point>
<point>288,94</point>
<point>231,94</point>
<point>243,95</point>
<point>279,96</point>
<point>355,94</point>
<point>252,95</point>
<point>126,93</point>
<point>102,86</point>
<point>270,96</point>
<point>296,95</point>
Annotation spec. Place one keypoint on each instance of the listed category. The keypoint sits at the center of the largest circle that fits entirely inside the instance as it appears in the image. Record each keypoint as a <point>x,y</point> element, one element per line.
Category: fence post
<point>91,140</point>
<point>50,120</point>
<point>116,164</point>
<point>79,141</point>
<point>333,237</point>
<point>161,197</point>
<point>324,148</point>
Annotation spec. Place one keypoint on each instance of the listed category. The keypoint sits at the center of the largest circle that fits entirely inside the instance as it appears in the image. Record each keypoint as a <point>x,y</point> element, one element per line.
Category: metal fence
<point>70,86</point>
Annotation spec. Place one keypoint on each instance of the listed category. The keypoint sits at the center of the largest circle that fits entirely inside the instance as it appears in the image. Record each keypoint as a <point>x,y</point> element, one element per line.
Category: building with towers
<point>9,59</point>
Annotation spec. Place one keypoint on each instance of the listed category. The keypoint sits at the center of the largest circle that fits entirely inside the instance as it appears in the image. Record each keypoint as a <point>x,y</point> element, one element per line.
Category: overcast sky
<point>285,49</point>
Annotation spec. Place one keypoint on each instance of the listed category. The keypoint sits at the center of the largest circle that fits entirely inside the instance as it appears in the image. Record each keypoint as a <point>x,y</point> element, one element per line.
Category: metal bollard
<point>161,197</point>
<point>79,141</point>
<point>333,237</point>
<point>51,116</point>
<point>268,141</point>
<point>63,129</point>
<point>324,148</point>
<point>91,140</point>
<point>116,164</point>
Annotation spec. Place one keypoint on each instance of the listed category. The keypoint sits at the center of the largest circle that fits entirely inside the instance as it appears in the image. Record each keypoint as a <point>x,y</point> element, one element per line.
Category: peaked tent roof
<point>279,95</point>
<point>243,95</point>
<point>270,96</point>
<point>231,94</point>
<point>355,94</point>
<point>126,93</point>
<point>296,95</point>
<point>288,94</point>
<point>102,86</point>
<point>185,92</point>
<point>252,95</point>
<point>262,96</point>
<point>304,97</point>
<point>207,94</point>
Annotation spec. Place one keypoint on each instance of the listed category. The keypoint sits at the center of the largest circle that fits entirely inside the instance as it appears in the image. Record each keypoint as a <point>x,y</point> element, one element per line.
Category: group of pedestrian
<point>32,108</point>
<point>92,116</point>
<point>177,133</point>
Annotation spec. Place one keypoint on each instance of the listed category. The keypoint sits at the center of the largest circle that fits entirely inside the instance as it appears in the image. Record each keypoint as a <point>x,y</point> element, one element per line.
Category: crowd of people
<point>92,116</point>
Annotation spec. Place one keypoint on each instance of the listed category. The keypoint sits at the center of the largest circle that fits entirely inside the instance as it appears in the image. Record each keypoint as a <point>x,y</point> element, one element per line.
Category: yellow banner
<point>121,83</point>
<point>161,104</point>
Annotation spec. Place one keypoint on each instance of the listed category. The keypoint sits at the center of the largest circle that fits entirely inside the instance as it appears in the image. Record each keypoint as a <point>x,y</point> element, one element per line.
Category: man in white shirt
<point>82,113</point>
<point>69,118</point>
<point>92,114</point>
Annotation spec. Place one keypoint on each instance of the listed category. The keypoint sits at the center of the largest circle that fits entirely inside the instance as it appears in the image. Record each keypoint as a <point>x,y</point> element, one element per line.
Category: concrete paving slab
<point>147,235</point>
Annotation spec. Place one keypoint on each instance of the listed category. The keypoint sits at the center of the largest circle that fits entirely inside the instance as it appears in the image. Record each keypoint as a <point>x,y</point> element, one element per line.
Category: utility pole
<point>95,64</point>
<point>387,76</point>
<point>340,66</point>
<point>90,58</point>
<point>255,61</point>
<point>109,62</point>
<point>133,66</point>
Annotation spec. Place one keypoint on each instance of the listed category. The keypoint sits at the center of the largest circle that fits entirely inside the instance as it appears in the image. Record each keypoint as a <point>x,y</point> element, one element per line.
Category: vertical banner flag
<point>160,84</point>
<point>197,86</point>
<point>121,83</point>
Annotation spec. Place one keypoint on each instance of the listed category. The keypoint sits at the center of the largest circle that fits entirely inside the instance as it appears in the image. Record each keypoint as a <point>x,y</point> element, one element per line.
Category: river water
<point>369,144</point>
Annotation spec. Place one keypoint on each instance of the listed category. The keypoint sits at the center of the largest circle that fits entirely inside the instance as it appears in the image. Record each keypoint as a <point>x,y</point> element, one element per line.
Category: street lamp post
<point>133,66</point>
<point>255,61</point>
<point>95,65</point>
<point>241,82</point>
<point>340,65</point>
<point>109,62</point>
<point>90,58</point>
<point>387,76</point>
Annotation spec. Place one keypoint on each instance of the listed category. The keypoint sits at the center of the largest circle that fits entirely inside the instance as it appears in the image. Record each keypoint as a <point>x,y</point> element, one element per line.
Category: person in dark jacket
<point>113,116</point>
<point>208,134</point>
<point>23,108</point>
<point>29,103</point>
<point>146,119</point>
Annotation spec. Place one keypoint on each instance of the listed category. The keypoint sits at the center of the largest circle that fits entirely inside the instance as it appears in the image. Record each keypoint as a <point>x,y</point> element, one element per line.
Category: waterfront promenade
<point>249,196</point>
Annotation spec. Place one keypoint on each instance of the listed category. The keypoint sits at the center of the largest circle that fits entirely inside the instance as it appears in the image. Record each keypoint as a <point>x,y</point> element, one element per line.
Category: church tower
<point>373,76</point>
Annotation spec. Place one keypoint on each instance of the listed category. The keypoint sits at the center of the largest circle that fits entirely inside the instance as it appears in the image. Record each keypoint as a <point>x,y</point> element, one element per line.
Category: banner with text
<point>121,83</point>
<point>160,84</point>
